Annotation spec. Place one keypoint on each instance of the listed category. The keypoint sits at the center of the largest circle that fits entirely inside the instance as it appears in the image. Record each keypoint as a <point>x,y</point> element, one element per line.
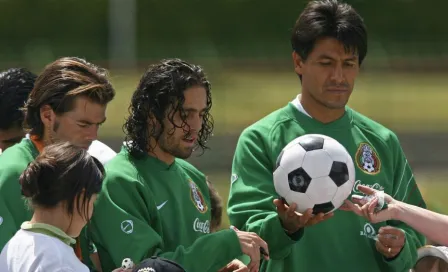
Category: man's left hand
<point>390,241</point>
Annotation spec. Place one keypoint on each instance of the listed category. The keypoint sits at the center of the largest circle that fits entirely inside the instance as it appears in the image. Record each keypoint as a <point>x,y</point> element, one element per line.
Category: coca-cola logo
<point>375,186</point>
<point>201,226</point>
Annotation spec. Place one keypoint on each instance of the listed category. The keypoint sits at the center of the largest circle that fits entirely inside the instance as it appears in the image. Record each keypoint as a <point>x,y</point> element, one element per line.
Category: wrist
<point>397,210</point>
<point>288,231</point>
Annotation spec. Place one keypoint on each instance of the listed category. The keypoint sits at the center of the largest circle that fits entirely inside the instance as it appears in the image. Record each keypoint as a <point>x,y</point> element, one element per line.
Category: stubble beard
<point>168,145</point>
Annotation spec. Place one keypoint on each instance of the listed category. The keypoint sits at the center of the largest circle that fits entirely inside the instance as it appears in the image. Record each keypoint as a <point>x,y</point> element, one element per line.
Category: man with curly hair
<point>155,203</point>
<point>15,86</point>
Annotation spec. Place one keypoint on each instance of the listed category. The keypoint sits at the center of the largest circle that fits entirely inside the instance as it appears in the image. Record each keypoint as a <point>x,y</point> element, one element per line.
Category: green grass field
<point>404,102</point>
<point>433,188</point>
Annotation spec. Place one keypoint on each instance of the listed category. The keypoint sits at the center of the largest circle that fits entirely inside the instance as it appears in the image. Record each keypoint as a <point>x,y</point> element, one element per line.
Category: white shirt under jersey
<point>29,251</point>
<point>296,102</point>
<point>101,151</point>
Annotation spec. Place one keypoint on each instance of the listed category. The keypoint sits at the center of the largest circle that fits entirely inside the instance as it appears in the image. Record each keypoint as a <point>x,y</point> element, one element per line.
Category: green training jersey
<point>149,208</point>
<point>13,209</point>
<point>345,242</point>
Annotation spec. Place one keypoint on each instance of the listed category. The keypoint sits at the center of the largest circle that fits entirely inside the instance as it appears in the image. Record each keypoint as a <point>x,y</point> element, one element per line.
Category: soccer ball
<point>127,264</point>
<point>314,171</point>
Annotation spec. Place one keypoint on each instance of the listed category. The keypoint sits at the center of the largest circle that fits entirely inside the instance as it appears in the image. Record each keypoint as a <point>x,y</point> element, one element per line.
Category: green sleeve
<point>125,224</point>
<point>250,205</point>
<point>406,190</point>
<point>13,210</point>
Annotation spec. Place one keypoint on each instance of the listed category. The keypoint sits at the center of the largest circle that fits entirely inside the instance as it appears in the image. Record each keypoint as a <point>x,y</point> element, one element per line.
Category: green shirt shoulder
<point>374,128</point>
<point>13,209</point>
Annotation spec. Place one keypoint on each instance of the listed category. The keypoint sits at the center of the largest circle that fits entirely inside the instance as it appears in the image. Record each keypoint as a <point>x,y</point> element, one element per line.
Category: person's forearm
<point>433,225</point>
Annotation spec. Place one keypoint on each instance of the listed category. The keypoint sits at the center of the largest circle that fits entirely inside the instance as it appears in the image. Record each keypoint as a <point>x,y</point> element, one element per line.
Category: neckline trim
<point>49,230</point>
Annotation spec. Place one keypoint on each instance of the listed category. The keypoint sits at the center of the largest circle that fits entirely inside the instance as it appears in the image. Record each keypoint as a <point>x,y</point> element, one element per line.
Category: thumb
<point>366,190</point>
<point>346,206</point>
<point>280,205</point>
<point>350,206</point>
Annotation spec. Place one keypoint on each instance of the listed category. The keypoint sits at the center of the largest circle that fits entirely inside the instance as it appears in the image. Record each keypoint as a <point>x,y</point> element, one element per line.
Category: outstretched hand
<point>367,209</point>
<point>292,221</point>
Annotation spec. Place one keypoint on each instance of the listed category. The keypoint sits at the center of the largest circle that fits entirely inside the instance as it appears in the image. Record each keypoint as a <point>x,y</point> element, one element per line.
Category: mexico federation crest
<point>367,159</point>
<point>197,197</point>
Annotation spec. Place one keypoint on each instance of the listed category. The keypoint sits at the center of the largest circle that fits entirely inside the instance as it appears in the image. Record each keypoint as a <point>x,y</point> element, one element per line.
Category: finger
<point>365,211</point>
<point>388,198</point>
<point>254,261</point>
<point>386,250</point>
<point>280,206</point>
<point>372,205</point>
<point>391,241</point>
<point>231,266</point>
<point>366,190</point>
<point>391,230</point>
<point>256,253</point>
<point>319,218</point>
<point>327,216</point>
<point>291,210</point>
<point>359,199</point>
<point>369,209</point>
<point>242,269</point>
<point>305,217</point>
<point>252,267</point>
<point>393,233</point>
<point>345,207</point>
<point>353,207</point>
<point>315,219</point>
<point>395,236</point>
<point>263,246</point>
<point>383,249</point>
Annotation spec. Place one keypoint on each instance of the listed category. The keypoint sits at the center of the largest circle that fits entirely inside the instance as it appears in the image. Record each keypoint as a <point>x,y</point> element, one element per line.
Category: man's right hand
<point>250,245</point>
<point>293,221</point>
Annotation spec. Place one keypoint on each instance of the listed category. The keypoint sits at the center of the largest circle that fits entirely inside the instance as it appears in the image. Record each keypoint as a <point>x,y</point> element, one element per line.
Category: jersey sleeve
<point>405,189</point>
<point>12,206</point>
<point>250,205</point>
<point>125,225</point>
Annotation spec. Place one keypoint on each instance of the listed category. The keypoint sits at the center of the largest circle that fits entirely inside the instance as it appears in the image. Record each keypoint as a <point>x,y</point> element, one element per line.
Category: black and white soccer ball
<point>314,171</point>
<point>127,263</point>
<point>368,166</point>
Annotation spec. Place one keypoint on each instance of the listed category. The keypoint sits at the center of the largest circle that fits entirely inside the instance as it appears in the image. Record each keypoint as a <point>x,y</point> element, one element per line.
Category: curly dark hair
<point>160,94</point>
<point>15,86</point>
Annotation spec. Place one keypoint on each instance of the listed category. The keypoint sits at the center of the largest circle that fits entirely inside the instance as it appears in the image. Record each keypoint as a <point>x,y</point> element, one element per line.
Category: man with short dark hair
<point>15,86</point>
<point>329,42</point>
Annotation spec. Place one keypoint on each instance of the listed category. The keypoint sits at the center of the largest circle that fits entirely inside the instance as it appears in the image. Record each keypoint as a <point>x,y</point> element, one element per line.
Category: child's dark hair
<point>429,262</point>
<point>62,173</point>
<point>216,207</point>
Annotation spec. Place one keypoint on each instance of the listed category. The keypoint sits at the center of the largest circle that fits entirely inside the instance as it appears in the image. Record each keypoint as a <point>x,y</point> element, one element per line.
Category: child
<point>432,259</point>
<point>61,186</point>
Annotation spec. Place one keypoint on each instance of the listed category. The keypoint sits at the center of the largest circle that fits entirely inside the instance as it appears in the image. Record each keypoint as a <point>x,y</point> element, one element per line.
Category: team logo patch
<point>197,197</point>
<point>367,159</point>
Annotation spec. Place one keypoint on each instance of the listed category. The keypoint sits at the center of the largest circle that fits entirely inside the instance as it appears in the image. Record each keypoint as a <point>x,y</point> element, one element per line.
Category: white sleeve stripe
<point>407,187</point>
<point>401,179</point>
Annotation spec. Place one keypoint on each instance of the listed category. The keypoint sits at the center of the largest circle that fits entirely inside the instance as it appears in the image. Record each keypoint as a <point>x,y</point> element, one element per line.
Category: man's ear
<point>47,115</point>
<point>298,63</point>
